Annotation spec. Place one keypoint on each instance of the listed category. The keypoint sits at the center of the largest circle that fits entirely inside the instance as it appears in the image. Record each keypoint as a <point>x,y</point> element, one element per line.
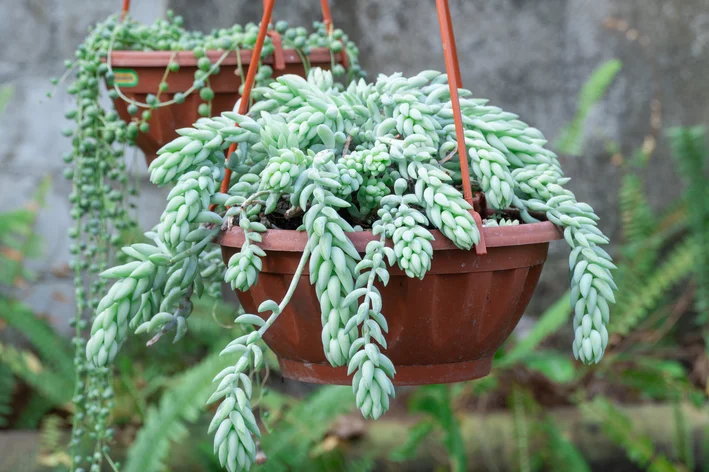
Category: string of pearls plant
<point>102,190</point>
<point>334,162</point>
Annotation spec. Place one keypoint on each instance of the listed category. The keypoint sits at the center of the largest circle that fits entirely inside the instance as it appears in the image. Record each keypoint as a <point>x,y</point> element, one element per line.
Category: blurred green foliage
<point>161,392</point>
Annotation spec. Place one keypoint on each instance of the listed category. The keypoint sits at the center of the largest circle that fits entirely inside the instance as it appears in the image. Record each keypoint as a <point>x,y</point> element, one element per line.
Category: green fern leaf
<point>561,453</point>
<point>51,433</point>
<point>417,434</point>
<point>53,349</point>
<point>7,386</point>
<point>690,150</point>
<point>33,412</point>
<point>437,402</point>
<point>637,217</point>
<point>549,323</point>
<point>288,447</point>
<point>675,268</point>
<point>557,367</point>
<point>29,368</point>
<point>618,427</point>
<point>16,236</point>
<point>594,89</point>
<point>521,431</point>
<point>683,435</point>
<point>165,424</point>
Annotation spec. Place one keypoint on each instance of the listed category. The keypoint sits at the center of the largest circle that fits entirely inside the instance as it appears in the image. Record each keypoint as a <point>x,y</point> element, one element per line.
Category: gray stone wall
<point>528,56</point>
<point>38,35</point>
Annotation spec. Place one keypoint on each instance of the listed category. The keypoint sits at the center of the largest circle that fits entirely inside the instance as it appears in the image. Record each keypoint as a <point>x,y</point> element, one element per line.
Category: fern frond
<point>561,453</point>
<point>683,435</point>
<point>289,446</point>
<point>521,431</point>
<point>52,445</point>
<point>50,433</point>
<point>7,386</point>
<point>676,267</point>
<point>6,92</point>
<point>618,427</point>
<point>53,349</point>
<point>644,234</point>
<point>437,401</point>
<point>637,217</point>
<point>165,424</point>
<point>690,150</point>
<point>570,141</point>
<point>33,412</point>
<point>16,236</point>
<point>28,367</point>
<point>549,323</point>
<point>417,434</point>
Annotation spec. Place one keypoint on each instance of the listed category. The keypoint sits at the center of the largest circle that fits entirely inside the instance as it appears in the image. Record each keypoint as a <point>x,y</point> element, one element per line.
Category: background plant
<point>102,190</point>
<point>295,150</point>
<point>643,379</point>
<point>651,354</point>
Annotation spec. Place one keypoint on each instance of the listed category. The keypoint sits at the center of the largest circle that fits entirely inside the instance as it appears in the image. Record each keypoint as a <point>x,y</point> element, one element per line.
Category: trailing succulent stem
<point>156,297</point>
<point>372,369</point>
<point>234,420</point>
<point>333,258</point>
<point>331,162</point>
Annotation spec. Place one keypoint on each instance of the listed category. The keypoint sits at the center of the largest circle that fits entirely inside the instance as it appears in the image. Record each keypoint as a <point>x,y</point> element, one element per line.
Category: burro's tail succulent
<point>370,157</point>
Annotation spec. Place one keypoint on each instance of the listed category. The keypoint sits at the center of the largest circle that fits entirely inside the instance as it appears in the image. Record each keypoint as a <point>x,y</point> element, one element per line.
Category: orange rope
<point>454,83</point>
<point>124,10</point>
<point>454,49</point>
<point>326,16</point>
<point>453,70</point>
<point>250,78</point>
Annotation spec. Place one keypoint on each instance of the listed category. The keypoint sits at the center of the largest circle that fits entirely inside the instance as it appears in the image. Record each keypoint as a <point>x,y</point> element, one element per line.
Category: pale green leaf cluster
<point>244,266</point>
<point>333,258</point>
<point>102,190</point>
<point>374,155</point>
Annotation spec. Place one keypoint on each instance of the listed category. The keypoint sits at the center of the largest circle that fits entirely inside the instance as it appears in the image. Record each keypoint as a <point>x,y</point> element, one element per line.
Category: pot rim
<point>187,58</point>
<point>496,236</point>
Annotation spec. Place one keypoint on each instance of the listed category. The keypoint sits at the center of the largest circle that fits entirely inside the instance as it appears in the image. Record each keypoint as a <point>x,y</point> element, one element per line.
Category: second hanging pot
<point>139,73</point>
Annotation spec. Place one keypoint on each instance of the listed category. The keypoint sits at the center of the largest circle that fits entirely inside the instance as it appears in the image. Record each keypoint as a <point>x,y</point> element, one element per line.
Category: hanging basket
<point>139,73</point>
<point>441,329</point>
<point>444,328</point>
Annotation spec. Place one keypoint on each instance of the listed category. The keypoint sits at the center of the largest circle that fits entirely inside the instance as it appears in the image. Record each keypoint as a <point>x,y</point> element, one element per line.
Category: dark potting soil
<point>287,218</point>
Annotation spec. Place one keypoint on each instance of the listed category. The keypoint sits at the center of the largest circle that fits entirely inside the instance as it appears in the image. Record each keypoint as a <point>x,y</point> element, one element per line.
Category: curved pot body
<point>139,73</point>
<point>444,328</point>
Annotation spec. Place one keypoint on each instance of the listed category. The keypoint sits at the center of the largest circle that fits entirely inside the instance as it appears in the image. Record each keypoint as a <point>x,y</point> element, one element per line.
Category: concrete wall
<point>38,35</point>
<point>528,56</point>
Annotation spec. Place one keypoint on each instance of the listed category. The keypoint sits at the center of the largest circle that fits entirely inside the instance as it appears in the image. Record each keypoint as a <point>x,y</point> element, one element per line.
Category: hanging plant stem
<point>292,151</point>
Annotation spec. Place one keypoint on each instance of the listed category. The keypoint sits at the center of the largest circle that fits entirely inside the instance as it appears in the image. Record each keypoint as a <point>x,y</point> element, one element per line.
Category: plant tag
<point>125,77</point>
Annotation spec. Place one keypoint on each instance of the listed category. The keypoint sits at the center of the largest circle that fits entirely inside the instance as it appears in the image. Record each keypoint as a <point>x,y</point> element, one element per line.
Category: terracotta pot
<point>444,328</point>
<point>139,73</point>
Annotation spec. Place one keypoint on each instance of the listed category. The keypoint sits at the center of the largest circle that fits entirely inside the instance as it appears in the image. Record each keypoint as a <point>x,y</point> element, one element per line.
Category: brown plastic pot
<point>444,328</point>
<point>139,73</point>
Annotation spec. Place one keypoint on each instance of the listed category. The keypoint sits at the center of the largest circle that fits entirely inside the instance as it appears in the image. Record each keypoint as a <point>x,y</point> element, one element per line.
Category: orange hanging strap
<point>326,16</point>
<point>453,48</point>
<point>330,27</point>
<point>124,10</point>
<point>250,78</point>
<point>279,59</point>
<point>454,83</point>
